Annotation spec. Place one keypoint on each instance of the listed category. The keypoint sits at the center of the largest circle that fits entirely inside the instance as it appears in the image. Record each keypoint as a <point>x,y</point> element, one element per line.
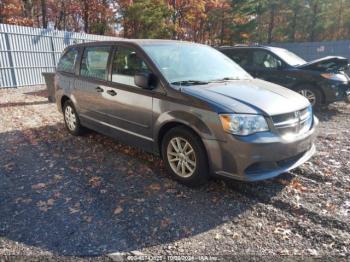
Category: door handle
<point>99,89</point>
<point>111,92</point>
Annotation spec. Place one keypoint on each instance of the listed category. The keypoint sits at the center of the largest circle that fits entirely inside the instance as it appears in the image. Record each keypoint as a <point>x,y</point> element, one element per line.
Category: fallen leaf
<point>118,210</point>
<point>297,186</point>
<point>87,218</point>
<point>95,181</point>
<point>165,222</point>
<point>50,202</point>
<point>38,186</point>
<point>45,205</point>
<point>58,177</point>
<point>154,187</point>
<point>73,210</point>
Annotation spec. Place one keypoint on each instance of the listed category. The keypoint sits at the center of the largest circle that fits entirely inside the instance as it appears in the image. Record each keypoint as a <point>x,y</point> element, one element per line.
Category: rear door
<point>267,66</point>
<point>92,81</point>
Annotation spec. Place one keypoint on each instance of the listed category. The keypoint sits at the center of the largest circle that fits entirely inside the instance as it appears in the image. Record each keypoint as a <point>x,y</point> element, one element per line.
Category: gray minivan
<point>188,103</point>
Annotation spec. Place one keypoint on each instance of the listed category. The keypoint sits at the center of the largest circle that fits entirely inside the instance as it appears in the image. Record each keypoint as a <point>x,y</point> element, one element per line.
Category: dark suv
<point>322,81</point>
<point>187,102</point>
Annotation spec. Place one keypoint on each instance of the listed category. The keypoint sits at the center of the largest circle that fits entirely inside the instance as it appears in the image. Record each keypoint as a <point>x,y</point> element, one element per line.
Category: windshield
<point>289,57</point>
<point>194,63</point>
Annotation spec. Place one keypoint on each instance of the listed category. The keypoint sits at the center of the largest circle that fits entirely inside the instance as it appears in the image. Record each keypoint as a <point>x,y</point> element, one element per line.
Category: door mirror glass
<point>143,80</point>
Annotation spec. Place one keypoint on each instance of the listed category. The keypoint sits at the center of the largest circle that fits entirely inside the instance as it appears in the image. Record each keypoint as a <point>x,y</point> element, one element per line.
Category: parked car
<point>187,102</point>
<point>321,81</point>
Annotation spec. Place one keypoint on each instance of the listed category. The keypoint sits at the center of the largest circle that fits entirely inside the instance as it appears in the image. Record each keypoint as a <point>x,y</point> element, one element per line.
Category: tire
<point>188,167</point>
<point>314,95</point>
<point>71,119</point>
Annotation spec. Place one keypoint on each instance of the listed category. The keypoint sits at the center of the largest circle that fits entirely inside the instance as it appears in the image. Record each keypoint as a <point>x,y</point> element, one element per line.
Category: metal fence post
<point>53,51</point>
<point>11,64</point>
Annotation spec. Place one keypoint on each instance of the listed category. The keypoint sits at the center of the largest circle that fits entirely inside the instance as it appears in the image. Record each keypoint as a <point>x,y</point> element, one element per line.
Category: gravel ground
<point>65,196</point>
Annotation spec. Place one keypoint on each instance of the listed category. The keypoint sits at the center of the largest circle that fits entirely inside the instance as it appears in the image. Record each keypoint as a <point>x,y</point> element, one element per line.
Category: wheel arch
<point>64,98</point>
<point>299,86</point>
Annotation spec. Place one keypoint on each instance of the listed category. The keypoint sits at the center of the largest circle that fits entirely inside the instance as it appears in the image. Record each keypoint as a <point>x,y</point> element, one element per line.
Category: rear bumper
<point>260,156</point>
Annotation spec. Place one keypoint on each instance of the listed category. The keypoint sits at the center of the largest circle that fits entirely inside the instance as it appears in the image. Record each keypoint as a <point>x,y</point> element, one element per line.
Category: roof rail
<point>250,44</point>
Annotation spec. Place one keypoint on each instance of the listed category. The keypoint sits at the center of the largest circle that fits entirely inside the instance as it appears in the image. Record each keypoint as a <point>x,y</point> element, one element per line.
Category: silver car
<point>189,103</point>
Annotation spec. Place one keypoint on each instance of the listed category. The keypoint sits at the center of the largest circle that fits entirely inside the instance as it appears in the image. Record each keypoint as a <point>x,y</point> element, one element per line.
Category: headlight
<point>336,77</point>
<point>243,124</point>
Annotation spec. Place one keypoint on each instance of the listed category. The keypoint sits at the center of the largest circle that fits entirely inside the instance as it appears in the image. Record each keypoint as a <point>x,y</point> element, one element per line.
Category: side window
<point>265,59</point>
<point>126,63</point>
<point>241,57</point>
<point>67,61</point>
<point>94,62</point>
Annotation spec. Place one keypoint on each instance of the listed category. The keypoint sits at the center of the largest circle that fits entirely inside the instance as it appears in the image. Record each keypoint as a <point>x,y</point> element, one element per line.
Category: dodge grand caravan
<point>189,103</point>
<point>322,81</point>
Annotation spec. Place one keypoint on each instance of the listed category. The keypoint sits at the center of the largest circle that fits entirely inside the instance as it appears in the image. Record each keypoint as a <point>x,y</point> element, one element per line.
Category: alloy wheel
<point>70,117</point>
<point>181,157</point>
<point>311,96</point>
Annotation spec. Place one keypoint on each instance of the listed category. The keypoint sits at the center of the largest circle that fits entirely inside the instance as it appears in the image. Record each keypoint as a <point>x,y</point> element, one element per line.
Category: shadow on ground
<point>91,195</point>
<point>327,113</point>
<point>16,104</point>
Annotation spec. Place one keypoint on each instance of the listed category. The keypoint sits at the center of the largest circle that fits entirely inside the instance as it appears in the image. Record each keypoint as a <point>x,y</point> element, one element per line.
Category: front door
<point>128,108</point>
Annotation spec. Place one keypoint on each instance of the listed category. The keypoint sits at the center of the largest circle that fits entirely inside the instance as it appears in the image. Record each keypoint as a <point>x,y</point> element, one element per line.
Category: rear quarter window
<point>67,61</point>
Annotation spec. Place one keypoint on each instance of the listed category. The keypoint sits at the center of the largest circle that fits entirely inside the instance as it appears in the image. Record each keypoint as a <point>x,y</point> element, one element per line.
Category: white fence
<point>315,50</point>
<point>26,52</point>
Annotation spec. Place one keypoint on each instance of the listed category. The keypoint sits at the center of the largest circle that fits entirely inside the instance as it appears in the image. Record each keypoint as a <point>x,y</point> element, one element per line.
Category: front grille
<point>294,123</point>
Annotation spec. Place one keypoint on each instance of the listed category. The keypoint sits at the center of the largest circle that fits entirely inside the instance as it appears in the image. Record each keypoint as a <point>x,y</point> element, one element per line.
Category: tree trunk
<point>271,24</point>
<point>313,22</point>
<point>222,26</point>
<point>1,12</point>
<point>86,16</point>
<point>294,24</point>
<point>338,31</point>
<point>28,8</point>
<point>43,13</point>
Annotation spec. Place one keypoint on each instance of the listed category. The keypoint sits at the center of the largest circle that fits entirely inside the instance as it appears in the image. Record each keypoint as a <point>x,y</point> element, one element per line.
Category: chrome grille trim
<point>294,123</point>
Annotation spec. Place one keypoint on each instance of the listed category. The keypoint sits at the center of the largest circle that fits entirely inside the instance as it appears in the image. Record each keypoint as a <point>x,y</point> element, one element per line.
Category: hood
<point>249,96</point>
<point>327,64</point>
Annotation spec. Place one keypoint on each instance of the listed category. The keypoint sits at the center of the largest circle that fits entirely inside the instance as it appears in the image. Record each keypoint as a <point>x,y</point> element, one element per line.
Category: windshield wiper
<point>189,82</point>
<point>224,79</point>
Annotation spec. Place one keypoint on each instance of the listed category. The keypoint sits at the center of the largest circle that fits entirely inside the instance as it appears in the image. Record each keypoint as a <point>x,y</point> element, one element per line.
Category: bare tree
<point>43,13</point>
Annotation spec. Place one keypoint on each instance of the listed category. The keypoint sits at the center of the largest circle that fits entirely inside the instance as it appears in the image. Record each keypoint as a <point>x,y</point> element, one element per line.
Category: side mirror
<point>143,80</point>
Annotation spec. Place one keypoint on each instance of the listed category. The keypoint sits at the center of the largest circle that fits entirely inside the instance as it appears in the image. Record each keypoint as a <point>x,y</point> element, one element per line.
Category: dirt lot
<point>89,196</point>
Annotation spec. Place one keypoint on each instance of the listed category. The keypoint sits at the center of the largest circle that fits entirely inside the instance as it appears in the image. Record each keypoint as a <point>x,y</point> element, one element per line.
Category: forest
<point>214,22</point>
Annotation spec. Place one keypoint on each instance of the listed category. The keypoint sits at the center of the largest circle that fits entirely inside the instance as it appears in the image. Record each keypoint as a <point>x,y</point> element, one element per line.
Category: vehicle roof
<point>140,42</point>
<point>270,48</point>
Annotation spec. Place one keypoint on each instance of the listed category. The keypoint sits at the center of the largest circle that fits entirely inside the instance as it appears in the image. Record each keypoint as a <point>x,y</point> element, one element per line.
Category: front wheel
<point>312,94</point>
<point>185,156</point>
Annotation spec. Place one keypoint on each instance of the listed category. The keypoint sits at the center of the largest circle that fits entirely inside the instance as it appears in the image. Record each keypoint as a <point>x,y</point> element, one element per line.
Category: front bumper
<point>260,156</point>
<point>347,99</point>
<point>336,91</point>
